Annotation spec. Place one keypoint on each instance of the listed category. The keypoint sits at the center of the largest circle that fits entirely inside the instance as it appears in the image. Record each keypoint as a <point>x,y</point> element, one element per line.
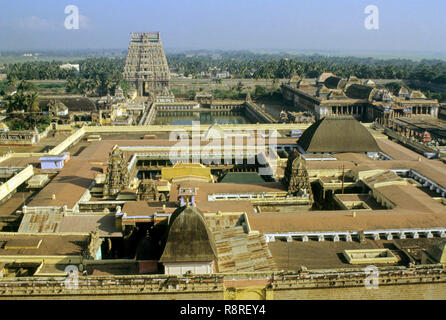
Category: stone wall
<point>12,184</point>
<point>61,147</point>
<point>409,291</point>
<point>203,127</point>
<point>257,114</point>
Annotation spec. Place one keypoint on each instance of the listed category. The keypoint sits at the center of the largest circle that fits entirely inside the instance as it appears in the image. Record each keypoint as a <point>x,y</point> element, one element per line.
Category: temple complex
<point>144,195</point>
<point>271,215</point>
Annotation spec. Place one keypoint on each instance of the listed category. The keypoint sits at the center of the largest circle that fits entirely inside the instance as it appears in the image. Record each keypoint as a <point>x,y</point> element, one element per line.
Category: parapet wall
<point>257,113</point>
<point>139,287</point>
<point>425,283</point>
<point>420,291</point>
<point>67,142</point>
<point>12,184</point>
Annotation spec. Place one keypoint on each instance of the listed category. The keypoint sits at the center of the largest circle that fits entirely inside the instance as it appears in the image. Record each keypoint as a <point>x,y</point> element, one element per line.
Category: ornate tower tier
<point>146,66</point>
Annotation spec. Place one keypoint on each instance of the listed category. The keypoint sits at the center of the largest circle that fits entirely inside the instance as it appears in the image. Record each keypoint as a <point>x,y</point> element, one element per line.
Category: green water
<point>186,118</point>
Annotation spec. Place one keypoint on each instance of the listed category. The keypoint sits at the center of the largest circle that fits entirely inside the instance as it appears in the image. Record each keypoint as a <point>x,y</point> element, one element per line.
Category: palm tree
<point>26,86</point>
<point>11,103</point>
<point>32,102</point>
<point>12,80</point>
<point>240,87</point>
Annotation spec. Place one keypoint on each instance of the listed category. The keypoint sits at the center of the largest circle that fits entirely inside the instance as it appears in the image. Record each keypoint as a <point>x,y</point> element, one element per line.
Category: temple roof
<point>358,91</point>
<point>189,239</point>
<point>438,252</point>
<point>73,103</point>
<point>336,94</point>
<point>404,91</point>
<point>337,134</point>
<point>324,76</point>
<point>322,91</point>
<point>334,82</point>
<point>417,94</point>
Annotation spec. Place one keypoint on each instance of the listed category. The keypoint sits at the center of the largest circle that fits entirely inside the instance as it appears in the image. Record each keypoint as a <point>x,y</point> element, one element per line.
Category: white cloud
<point>35,23</point>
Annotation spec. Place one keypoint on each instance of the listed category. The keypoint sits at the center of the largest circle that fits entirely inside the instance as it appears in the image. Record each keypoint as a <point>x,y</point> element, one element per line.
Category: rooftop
<point>50,244</point>
<point>337,134</point>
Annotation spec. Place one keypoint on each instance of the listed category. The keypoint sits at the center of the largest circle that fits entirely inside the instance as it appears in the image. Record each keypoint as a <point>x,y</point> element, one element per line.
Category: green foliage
<point>101,76</point>
<point>25,99</point>
<point>440,96</point>
<point>38,70</point>
<point>29,122</point>
<point>125,86</point>
<point>244,64</point>
<point>97,76</point>
<point>176,91</point>
<point>18,124</point>
<point>26,86</point>
<point>191,94</point>
<point>3,86</point>
<point>394,87</point>
<point>261,92</point>
<point>240,86</point>
<point>51,85</point>
<point>227,94</point>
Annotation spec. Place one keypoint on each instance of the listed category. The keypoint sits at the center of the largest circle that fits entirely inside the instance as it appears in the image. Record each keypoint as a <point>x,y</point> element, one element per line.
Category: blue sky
<point>316,25</point>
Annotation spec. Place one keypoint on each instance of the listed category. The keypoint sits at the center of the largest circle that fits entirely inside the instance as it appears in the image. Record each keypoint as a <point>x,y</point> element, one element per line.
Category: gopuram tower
<point>146,67</point>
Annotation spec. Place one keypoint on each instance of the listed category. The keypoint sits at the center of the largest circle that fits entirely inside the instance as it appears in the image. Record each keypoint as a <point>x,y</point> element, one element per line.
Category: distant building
<point>19,137</point>
<point>223,74</point>
<point>69,66</point>
<point>331,95</point>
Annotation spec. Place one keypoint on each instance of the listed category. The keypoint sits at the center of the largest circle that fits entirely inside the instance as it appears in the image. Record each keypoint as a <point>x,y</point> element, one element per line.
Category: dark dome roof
<point>74,104</point>
<point>335,82</point>
<point>189,238</point>
<point>337,134</point>
<point>359,91</point>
